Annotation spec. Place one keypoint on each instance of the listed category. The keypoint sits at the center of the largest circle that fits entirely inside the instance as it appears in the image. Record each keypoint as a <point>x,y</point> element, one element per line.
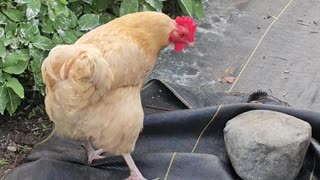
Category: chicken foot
<point>91,153</point>
<point>135,174</point>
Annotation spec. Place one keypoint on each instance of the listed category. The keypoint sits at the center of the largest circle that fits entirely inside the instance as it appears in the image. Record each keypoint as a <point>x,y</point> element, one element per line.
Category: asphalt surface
<point>271,45</point>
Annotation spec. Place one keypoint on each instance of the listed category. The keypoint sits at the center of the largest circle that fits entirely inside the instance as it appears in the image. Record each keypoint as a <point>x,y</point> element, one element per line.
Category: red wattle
<point>179,47</point>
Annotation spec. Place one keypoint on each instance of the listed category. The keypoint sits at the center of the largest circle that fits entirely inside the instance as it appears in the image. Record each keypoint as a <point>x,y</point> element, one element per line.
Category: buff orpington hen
<point>93,86</point>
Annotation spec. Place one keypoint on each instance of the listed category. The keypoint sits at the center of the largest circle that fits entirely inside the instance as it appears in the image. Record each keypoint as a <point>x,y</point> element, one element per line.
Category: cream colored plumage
<point>93,86</point>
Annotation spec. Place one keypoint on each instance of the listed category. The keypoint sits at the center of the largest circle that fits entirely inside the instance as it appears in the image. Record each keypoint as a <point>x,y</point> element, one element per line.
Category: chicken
<point>93,86</point>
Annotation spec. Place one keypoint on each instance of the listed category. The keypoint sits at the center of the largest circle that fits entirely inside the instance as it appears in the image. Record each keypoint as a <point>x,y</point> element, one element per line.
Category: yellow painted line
<point>258,44</point>
<point>149,84</point>
<point>170,165</point>
<point>314,166</point>
<point>205,128</point>
<point>46,139</point>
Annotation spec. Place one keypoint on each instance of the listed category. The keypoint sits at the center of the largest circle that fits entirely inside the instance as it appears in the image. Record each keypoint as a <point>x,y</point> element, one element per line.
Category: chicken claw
<point>91,153</point>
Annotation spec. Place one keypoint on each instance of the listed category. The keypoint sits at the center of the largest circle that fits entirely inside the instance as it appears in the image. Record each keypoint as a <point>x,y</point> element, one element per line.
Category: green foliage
<point>30,28</point>
<point>3,162</point>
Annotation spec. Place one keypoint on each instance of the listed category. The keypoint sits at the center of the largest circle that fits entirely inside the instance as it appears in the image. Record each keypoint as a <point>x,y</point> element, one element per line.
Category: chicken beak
<point>191,44</point>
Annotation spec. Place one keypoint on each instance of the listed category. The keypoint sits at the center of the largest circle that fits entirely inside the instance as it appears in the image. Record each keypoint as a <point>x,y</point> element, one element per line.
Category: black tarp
<point>176,143</point>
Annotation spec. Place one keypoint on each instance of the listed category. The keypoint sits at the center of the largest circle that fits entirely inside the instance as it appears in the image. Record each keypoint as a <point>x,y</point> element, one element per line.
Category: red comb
<point>187,22</point>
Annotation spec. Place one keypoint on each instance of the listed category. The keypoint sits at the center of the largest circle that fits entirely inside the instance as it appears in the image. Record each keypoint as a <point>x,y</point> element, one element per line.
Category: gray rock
<point>12,148</point>
<point>265,145</point>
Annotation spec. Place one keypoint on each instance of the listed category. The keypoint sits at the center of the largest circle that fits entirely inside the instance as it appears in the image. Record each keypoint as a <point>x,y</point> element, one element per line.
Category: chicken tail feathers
<point>75,76</point>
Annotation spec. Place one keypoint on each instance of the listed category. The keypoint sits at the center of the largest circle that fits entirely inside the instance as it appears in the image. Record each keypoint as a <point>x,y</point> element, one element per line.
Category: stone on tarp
<point>264,145</point>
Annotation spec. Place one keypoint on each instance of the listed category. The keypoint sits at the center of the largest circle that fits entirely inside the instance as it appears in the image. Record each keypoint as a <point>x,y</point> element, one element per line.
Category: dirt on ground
<point>22,131</point>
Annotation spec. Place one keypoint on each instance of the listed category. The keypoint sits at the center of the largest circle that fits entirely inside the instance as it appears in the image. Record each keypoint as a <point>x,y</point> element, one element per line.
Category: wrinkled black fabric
<point>180,144</point>
<point>161,93</point>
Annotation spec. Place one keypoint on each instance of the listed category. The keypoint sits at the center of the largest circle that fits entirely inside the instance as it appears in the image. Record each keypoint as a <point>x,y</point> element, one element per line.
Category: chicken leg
<point>91,153</point>
<point>135,174</point>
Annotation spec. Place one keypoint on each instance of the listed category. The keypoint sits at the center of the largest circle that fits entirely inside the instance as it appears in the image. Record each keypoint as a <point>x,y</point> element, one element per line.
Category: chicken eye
<point>182,35</point>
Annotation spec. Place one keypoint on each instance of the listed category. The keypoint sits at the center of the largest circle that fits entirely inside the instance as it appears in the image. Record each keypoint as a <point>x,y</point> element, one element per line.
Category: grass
<point>3,162</point>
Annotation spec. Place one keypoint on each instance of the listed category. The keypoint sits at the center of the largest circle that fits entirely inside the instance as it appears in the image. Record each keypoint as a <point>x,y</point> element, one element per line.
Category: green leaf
<point>88,21</point>
<point>16,62</point>
<point>29,29</point>
<point>21,1</point>
<point>11,29</point>
<point>76,8</point>
<point>6,41</point>
<point>78,32</point>
<point>43,11</point>
<point>13,42</point>
<point>5,76</point>
<point>156,4</point>
<point>100,5</point>
<point>129,6</point>
<point>1,32</point>
<point>42,42</point>
<point>56,39</point>
<point>87,1</point>
<point>198,8</point>
<point>87,9</point>
<point>47,25</point>
<point>38,56</point>
<point>145,7</point>
<point>13,14</point>
<point>14,101</point>
<point>51,14</point>
<point>106,17</point>
<point>69,37</point>
<point>3,98</point>
<point>33,8</point>
<point>116,10</point>
<point>61,23</point>
<point>186,5</point>
<point>2,49</point>
<point>16,86</point>
<point>73,20</point>
<point>59,7</point>
<point>64,2</point>
<point>3,19</point>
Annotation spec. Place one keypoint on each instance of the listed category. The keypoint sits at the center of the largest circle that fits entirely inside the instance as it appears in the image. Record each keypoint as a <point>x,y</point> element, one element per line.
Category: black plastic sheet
<point>176,143</point>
